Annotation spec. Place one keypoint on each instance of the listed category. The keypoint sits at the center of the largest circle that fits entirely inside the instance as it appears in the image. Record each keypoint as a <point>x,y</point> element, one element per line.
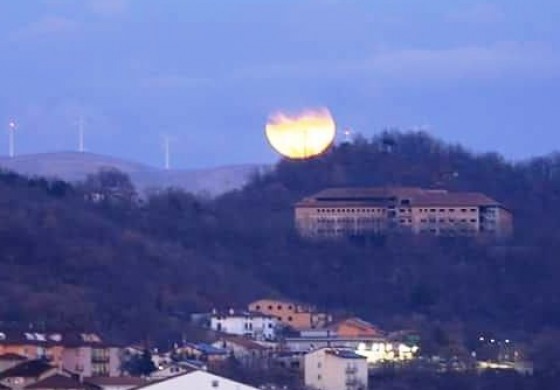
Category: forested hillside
<point>133,266</point>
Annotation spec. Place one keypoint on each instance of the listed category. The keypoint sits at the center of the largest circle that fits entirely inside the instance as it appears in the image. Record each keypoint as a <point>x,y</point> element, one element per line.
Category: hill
<point>128,266</point>
<point>75,166</point>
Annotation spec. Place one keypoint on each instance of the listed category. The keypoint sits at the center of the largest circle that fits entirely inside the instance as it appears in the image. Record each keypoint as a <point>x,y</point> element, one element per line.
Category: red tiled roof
<point>382,196</point>
<point>244,342</point>
<point>29,369</point>
<point>58,381</point>
<point>116,380</point>
<point>12,357</point>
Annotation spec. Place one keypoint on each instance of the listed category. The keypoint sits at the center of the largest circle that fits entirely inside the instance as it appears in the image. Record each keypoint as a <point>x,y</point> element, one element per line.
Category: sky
<point>208,73</point>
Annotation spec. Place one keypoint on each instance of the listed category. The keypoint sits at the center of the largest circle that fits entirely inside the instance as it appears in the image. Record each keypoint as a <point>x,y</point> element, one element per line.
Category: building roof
<point>357,323</point>
<point>244,342</point>
<point>58,381</point>
<point>203,380</point>
<point>344,353</point>
<point>206,349</point>
<point>28,369</point>
<point>240,313</point>
<point>46,339</point>
<point>12,357</point>
<point>116,380</point>
<point>382,196</point>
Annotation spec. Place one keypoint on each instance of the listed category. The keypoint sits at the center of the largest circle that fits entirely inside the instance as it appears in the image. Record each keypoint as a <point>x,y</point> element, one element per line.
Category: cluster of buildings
<point>348,212</point>
<point>83,361</point>
<point>326,352</point>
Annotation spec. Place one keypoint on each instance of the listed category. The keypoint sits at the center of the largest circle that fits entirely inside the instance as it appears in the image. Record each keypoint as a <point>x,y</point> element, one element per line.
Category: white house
<point>243,323</point>
<point>335,369</point>
<point>199,380</point>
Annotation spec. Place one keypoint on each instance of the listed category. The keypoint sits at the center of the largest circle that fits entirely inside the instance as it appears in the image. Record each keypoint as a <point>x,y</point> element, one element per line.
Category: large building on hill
<point>341,212</point>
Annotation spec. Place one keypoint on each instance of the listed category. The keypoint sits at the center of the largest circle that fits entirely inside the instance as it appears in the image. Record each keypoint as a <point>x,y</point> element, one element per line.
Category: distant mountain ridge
<point>75,166</point>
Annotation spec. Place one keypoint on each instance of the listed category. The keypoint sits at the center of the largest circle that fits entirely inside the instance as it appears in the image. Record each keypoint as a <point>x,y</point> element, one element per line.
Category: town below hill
<point>94,255</point>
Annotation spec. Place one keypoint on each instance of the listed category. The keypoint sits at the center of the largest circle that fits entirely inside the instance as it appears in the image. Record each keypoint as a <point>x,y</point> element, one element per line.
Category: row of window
<point>270,307</point>
<point>451,210</point>
<point>354,210</point>
<point>451,220</point>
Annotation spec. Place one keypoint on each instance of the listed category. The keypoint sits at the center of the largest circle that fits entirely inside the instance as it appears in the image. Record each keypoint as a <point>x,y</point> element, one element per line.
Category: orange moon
<point>301,136</point>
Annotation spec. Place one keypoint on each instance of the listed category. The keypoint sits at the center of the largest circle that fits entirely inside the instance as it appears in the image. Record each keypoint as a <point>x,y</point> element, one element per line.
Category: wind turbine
<point>11,138</point>
<point>167,150</point>
<point>81,147</point>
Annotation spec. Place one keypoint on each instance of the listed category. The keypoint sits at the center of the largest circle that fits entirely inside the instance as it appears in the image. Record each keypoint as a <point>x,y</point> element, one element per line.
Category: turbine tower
<point>81,147</point>
<point>167,152</point>
<point>11,140</point>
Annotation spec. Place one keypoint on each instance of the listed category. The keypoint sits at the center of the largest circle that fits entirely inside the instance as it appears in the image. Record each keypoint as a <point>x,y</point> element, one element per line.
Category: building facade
<point>253,324</point>
<point>293,314</point>
<point>335,369</point>
<point>342,212</point>
<point>92,360</point>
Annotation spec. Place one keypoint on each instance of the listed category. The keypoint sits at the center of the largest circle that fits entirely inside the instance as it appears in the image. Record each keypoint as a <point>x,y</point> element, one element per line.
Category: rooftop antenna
<point>347,135</point>
<point>81,147</point>
<point>11,134</point>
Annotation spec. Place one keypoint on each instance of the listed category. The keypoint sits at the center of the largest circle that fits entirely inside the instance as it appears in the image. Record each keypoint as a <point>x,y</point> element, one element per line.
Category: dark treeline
<point>96,255</point>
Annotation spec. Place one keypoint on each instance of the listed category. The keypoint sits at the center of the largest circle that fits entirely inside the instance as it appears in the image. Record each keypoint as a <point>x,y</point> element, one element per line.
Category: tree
<point>140,364</point>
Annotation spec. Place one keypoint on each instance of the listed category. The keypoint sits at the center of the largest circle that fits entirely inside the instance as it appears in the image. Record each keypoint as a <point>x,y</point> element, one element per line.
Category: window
<point>319,377</point>
<point>258,307</point>
<point>279,307</point>
<point>290,319</point>
<point>270,307</point>
<point>463,210</point>
<point>215,383</point>
<point>290,307</point>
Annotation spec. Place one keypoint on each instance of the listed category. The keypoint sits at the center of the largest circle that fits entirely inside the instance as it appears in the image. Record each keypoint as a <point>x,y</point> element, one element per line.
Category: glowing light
<point>302,136</point>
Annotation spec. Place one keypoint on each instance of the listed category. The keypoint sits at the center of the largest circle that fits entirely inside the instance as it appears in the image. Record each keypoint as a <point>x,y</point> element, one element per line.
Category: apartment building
<point>83,353</point>
<point>335,369</point>
<point>342,212</point>
<point>290,313</point>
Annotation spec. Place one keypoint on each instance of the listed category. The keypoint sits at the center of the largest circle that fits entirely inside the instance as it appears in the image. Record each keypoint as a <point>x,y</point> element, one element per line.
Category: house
<point>115,383</point>
<point>290,313</point>
<point>255,325</point>
<point>61,382</point>
<point>85,353</point>
<point>27,373</point>
<point>202,352</point>
<point>248,352</point>
<point>32,345</point>
<point>196,379</point>
<point>355,327</point>
<point>9,360</point>
<point>335,369</point>
<point>342,212</point>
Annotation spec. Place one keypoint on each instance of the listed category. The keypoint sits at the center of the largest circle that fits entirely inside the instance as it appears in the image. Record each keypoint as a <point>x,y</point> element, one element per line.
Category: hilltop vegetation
<point>133,267</point>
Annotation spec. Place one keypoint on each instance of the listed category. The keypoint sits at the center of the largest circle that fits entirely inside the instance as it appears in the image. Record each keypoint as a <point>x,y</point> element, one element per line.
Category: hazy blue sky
<point>484,73</point>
